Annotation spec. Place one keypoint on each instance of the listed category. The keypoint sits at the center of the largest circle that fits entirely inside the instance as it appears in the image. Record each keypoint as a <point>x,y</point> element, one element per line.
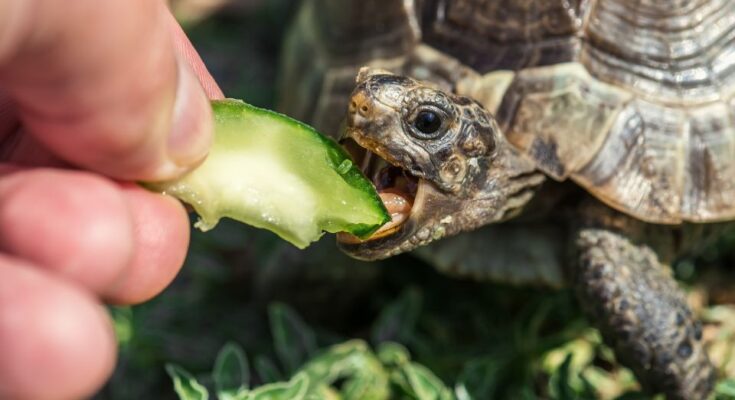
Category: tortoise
<point>583,142</point>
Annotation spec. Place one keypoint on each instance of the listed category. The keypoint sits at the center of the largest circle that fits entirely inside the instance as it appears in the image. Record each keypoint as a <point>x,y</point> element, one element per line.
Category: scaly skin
<point>642,314</point>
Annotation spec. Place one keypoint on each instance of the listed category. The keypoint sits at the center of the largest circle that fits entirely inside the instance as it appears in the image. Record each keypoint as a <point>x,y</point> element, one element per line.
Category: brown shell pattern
<point>632,99</point>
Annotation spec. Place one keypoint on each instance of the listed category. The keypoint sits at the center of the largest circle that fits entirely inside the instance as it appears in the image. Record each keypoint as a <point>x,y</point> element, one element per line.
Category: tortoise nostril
<point>360,107</point>
<point>360,103</point>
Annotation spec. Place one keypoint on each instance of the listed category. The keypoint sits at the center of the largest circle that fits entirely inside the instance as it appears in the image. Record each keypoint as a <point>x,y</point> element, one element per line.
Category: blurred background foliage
<point>248,309</point>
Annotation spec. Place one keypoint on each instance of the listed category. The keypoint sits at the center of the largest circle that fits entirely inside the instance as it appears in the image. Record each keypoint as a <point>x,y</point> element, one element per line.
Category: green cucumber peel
<point>271,171</point>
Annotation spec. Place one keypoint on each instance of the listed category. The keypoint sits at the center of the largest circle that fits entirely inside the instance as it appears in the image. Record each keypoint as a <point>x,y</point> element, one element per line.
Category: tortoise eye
<point>427,122</point>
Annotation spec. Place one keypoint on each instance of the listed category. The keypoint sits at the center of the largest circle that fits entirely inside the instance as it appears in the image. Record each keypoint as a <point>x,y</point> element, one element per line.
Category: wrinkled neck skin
<point>507,185</point>
<point>496,192</point>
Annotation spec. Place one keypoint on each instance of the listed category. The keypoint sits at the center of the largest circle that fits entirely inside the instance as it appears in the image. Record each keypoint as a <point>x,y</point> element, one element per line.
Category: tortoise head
<point>439,162</point>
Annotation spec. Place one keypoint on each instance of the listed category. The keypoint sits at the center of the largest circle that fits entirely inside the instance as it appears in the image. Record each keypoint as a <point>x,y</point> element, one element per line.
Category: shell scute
<point>638,169</point>
<point>709,175</point>
<point>632,99</point>
<point>559,116</point>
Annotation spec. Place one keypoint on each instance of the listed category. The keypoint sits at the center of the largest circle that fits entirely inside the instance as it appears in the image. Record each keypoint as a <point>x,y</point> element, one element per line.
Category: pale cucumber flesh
<point>270,171</point>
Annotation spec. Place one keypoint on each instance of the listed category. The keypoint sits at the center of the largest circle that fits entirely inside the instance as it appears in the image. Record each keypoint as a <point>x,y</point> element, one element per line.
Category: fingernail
<point>192,126</point>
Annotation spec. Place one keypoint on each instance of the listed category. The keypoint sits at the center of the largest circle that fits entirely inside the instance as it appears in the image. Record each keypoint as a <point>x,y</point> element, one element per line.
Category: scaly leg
<point>642,314</point>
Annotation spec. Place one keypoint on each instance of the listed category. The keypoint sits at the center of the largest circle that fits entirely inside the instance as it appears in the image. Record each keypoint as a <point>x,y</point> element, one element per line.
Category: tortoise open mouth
<point>396,186</point>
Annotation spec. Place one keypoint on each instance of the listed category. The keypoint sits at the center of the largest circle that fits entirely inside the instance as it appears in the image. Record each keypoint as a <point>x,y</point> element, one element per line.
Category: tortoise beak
<point>393,238</point>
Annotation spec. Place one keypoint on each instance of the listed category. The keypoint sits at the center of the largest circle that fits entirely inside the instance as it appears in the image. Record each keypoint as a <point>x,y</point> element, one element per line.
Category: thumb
<point>101,85</point>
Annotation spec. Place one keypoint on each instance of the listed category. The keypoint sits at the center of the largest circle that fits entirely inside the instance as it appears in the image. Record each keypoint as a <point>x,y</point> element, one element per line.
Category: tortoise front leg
<point>642,313</point>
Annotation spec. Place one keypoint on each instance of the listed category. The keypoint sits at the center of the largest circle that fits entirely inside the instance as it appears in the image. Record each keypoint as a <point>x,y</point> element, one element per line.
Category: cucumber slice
<point>273,172</point>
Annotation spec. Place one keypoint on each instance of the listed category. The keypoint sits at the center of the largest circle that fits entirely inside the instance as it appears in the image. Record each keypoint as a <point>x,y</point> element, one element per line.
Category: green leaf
<point>397,321</point>
<point>267,370</point>
<point>393,354</point>
<point>367,385</point>
<point>122,319</point>
<point>561,388</point>
<point>481,377</point>
<point>185,385</point>
<point>295,389</point>
<point>352,363</point>
<point>420,383</point>
<point>725,390</point>
<point>231,374</point>
<point>294,341</point>
<point>522,393</point>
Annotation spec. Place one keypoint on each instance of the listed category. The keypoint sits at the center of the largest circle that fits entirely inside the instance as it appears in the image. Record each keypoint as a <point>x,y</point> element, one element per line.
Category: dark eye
<point>427,122</point>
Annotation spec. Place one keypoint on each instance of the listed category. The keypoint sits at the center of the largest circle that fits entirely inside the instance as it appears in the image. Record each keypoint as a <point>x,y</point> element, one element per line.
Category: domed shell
<point>632,99</point>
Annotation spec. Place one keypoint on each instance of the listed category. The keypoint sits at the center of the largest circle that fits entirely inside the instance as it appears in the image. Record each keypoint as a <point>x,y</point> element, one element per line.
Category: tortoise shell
<point>634,100</point>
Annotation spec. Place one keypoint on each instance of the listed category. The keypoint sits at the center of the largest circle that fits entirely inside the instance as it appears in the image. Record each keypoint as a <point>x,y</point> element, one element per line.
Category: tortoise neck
<point>508,183</point>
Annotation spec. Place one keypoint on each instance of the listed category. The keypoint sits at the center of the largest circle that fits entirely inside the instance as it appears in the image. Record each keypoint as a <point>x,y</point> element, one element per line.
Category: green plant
<point>349,370</point>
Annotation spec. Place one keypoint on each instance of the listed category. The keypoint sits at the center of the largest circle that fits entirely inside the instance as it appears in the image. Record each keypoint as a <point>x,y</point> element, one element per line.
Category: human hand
<point>93,95</point>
